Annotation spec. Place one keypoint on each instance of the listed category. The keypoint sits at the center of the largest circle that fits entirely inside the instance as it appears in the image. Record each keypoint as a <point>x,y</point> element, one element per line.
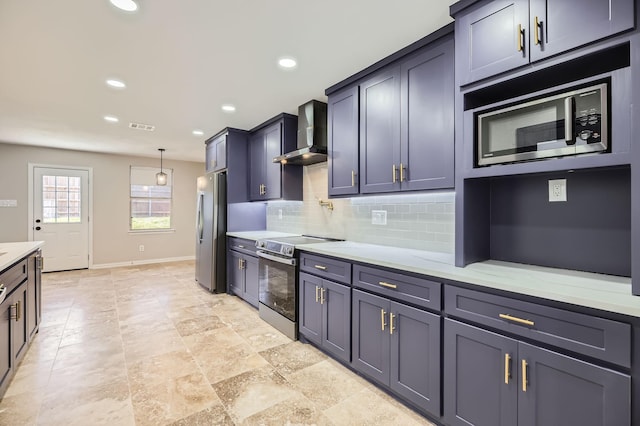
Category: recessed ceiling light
<point>198,132</point>
<point>116,84</point>
<point>287,63</point>
<point>126,5</point>
<point>111,119</point>
<point>228,108</point>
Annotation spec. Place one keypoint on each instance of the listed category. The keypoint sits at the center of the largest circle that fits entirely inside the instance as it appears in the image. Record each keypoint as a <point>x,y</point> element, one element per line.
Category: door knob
<point>38,228</point>
<point>37,220</point>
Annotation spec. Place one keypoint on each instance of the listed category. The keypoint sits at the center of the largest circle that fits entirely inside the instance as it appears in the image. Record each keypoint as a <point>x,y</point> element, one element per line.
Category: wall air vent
<point>140,126</point>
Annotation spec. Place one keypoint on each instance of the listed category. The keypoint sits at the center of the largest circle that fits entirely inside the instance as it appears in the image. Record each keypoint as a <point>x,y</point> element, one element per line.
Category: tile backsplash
<point>423,221</point>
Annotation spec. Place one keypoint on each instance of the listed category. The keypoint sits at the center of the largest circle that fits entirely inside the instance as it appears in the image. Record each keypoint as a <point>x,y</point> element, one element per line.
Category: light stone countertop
<point>604,292</point>
<point>259,235</point>
<point>10,253</point>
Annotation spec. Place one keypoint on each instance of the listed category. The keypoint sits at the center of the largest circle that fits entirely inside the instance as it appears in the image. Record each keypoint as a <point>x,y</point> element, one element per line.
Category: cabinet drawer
<point>13,276</point>
<point>592,336</point>
<point>418,291</point>
<point>332,269</point>
<point>242,245</point>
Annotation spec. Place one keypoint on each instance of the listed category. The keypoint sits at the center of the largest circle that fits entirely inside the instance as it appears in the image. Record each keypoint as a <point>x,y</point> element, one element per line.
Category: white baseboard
<point>140,262</point>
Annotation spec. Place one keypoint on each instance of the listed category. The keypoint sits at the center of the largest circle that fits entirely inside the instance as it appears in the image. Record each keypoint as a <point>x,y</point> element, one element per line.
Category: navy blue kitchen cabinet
<point>399,347</point>
<point>491,380</point>
<point>242,270</point>
<point>325,315</point>
<point>216,154</point>
<point>406,123</point>
<point>343,167</point>
<point>497,36</point>
<point>269,180</point>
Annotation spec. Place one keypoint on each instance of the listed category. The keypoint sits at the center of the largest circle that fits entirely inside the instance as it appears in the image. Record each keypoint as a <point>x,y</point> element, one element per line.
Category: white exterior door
<point>61,217</point>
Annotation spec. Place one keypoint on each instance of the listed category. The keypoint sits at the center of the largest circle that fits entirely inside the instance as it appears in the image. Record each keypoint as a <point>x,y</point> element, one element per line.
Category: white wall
<point>112,241</point>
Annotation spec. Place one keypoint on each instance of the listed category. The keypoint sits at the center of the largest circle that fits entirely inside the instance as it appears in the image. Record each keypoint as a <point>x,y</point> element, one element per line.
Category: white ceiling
<point>181,60</point>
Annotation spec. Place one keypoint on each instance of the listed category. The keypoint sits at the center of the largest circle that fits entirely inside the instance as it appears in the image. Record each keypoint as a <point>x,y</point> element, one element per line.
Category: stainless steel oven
<point>278,281</point>
<point>571,122</point>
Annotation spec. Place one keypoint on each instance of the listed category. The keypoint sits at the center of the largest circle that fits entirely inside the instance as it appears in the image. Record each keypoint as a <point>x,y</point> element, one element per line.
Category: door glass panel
<point>61,199</point>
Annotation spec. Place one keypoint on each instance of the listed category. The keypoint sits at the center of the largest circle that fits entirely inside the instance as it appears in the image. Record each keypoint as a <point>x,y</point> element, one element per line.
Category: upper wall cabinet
<point>497,36</point>
<point>406,123</point>
<point>269,180</point>
<point>391,126</point>
<point>216,153</point>
<point>342,142</point>
<point>227,151</point>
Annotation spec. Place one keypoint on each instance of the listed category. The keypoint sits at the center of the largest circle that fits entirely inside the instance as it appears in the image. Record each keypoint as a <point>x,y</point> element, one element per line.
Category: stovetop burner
<point>285,246</point>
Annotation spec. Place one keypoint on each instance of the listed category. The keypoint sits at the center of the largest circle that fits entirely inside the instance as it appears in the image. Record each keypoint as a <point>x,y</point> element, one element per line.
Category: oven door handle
<point>283,260</point>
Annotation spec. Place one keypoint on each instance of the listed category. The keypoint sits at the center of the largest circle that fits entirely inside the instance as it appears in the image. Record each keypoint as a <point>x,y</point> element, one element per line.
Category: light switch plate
<point>378,217</point>
<point>8,203</point>
<point>557,190</point>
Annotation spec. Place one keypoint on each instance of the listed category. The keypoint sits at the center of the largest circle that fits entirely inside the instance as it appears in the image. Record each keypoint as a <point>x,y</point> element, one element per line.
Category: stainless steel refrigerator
<point>211,230</point>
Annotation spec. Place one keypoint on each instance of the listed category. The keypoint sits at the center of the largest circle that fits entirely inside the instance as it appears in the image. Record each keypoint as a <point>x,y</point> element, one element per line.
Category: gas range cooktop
<point>285,246</point>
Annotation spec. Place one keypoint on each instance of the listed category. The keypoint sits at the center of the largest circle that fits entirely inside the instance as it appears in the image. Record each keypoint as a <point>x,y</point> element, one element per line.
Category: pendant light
<point>161,177</point>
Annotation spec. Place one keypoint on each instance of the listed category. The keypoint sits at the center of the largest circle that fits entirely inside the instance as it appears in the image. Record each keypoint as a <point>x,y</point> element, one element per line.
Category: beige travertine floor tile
<point>146,345</point>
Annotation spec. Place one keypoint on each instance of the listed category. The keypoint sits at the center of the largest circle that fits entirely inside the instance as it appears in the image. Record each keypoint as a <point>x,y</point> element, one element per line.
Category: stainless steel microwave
<point>568,123</point>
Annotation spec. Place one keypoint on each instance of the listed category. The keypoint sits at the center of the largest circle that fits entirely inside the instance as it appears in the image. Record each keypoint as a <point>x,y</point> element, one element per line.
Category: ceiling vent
<point>140,126</point>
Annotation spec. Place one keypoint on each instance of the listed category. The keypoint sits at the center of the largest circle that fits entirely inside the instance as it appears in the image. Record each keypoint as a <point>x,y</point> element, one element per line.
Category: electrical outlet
<point>378,217</point>
<point>141,247</point>
<point>280,214</point>
<point>557,190</point>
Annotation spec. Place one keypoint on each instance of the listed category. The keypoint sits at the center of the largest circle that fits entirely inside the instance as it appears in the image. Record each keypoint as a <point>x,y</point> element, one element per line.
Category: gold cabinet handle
<point>391,327</point>
<point>402,172</point>
<point>516,319</point>
<point>536,28</point>
<point>520,36</point>
<point>322,295</point>
<point>393,173</point>
<point>386,284</point>
<point>239,263</point>
<point>14,315</point>
<point>524,375</point>
<point>322,268</point>
<point>507,368</point>
<point>353,178</point>
<point>18,310</point>
<point>383,324</point>
<point>317,297</point>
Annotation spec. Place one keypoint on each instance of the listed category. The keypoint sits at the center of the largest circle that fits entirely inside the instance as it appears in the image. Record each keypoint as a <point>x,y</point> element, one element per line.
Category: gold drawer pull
<point>385,284</point>
<point>322,268</point>
<point>516,319</point>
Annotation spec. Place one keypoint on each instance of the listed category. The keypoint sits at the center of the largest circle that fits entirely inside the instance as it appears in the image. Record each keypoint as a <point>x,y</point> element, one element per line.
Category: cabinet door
<point>210,157</point>
<point>256,166</point>
<point>562,25</point>
<point>370,335</point>
<point>235,273</point>
<point>251,288</point>
<point>561,390</point>
<point>310,320</point>
<point>380,132</point>
<point>427,140</point>
<point>19,331</point>
<point>6,357</point>
<point>343,142</point>
<point>221,153</point>
<point>32,298</point>
<point>415,356</point>
<point>336,319</point>
<point>480,382</point>
<point>488,42</point>
<point>273,148</point>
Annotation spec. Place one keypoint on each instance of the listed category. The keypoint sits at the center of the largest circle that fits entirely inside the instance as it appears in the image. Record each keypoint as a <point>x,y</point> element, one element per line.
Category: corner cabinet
<point>342,135</point>
<point>269,180</point>
<point>406,123</point>
<point>497,36</point>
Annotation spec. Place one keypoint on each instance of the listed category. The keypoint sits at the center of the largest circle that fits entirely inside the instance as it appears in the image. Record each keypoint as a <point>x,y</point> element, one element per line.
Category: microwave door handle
<point>569,120</point>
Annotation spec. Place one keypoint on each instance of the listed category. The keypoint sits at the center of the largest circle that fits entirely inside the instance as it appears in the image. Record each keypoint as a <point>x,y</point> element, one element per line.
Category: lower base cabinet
<point>492,380</point>
<point>325,320</point>
<point>398,346</point>
<point>242,276</point>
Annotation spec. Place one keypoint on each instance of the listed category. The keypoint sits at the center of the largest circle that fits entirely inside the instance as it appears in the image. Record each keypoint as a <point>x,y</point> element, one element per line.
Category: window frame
<point>153,171</point>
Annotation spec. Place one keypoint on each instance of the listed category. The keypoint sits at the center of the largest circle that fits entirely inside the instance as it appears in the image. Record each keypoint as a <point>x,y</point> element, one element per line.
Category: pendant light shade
<point>161,177</point>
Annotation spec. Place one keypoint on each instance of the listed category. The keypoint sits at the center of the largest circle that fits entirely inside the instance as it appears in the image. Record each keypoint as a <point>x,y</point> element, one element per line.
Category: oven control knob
<point>288,250</point>
<point>260,244</point>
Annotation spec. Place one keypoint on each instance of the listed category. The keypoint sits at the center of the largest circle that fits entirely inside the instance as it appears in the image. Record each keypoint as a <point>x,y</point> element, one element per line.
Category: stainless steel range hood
<point>312,136</point>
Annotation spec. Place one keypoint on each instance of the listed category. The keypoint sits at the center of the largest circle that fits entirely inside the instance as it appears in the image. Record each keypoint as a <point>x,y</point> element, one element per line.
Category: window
<point>150,204</point>
<point>60,199</point>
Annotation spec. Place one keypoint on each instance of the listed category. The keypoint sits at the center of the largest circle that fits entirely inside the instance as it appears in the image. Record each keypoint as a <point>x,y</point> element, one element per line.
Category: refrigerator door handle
<point>200,217</point>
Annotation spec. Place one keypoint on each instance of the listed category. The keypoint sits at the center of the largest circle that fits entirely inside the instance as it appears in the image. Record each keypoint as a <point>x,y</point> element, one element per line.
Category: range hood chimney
<point>312,136</point>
